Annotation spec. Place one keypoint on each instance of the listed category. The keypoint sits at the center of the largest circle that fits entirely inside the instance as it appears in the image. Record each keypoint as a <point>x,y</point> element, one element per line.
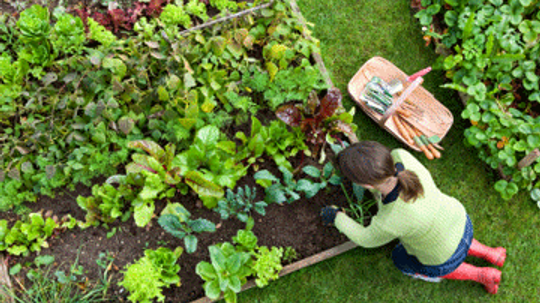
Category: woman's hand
<point>329,214</point>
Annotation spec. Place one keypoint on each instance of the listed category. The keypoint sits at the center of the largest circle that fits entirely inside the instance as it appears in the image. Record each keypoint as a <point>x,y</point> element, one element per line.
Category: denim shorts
<point>409,264</point>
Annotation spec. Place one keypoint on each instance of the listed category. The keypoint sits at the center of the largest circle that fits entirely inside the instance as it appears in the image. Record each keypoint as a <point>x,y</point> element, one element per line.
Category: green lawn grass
<point>350,33</point>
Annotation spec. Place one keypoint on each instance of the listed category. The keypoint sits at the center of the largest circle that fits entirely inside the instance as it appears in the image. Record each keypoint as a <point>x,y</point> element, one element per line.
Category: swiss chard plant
<point>212,156</point>
<point>160,179</point>
<point>274,140</point>
<point>176,220</point>
<point>240,204</point>
<point>145,279</point>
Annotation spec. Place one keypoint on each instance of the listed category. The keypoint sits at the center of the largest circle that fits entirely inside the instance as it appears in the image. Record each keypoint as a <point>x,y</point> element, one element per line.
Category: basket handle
<point>390,111</point>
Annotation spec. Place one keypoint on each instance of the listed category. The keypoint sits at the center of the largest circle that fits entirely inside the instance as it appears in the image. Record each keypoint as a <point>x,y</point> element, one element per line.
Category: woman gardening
<point>434,230</point>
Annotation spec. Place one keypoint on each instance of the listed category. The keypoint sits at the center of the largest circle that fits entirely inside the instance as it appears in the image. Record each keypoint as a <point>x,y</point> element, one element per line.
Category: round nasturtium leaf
<point>535,194</point>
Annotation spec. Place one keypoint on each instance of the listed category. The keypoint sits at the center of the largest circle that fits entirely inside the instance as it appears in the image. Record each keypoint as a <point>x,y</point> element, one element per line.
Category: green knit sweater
<point>430,228</point>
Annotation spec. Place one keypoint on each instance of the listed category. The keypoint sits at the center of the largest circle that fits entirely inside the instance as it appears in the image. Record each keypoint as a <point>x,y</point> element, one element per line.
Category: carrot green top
<point>430,228</point>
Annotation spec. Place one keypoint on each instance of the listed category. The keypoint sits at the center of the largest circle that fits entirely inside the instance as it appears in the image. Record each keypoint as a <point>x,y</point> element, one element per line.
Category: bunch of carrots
<point>414,136</point>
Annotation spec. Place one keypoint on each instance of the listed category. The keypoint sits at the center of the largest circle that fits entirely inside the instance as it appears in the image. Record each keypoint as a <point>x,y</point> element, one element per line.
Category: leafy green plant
<point>240,204</point>
<point>291,84</point>
<point>267,264</point>
<point>326,176</point>
<point>211,155</point>
<point>224,4</point>
<point>34,24</point>
<point>69,36</point>
<point>175,15</point>
<point>196,8</point>
<point>226,273</point>
<point>246,240</point>
<point>175,219</point>
<point>288,191</point>
<point>159,177</point>
<point>26,235</point>
<point>145,278</point>
<point>35,30</point>
<point>317,119</point>
<point>106,203</point>
<point>289,254</point>
<point>275,140</point>
<point>99,33</point>
<point>492,61</point>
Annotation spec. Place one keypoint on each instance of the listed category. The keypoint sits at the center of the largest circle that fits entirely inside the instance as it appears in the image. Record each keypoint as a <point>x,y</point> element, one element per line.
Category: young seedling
<point>175,219</point>
<point>240,204</point>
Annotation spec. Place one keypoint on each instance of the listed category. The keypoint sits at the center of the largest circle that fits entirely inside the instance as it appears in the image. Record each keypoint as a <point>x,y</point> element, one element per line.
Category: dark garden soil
<point>297,225</point>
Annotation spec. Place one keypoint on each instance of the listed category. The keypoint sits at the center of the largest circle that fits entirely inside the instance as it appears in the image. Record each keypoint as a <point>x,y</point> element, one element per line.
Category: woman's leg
<point>490,277</point>
<point>495,256</point>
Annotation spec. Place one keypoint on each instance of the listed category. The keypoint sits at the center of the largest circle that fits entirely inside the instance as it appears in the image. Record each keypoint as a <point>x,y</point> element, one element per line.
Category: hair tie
<point>399,168</point>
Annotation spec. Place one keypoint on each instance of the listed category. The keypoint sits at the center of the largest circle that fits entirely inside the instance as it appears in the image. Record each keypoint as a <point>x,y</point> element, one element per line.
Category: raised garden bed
<point>295,225</point>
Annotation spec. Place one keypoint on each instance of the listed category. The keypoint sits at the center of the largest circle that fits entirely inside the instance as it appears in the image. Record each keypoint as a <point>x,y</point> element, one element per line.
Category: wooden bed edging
<point>316,56</point>
<point>226,18</point>
<point>5,282</point>
<point>322,256</point>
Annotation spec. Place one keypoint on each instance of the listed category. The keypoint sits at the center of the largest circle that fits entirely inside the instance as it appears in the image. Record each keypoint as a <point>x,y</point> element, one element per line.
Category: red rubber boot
<point>490,277</point>
<point>495,256</point>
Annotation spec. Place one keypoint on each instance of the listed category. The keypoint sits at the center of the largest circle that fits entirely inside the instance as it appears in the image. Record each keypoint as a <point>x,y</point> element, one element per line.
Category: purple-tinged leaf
<point>289,114</point>
<point>150,147</point>
<point>329,104</point>
<point>137,168</point>
<point>202,186</point>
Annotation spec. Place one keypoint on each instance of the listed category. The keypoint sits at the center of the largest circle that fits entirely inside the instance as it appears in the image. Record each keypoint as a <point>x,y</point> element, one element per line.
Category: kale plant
<point>240,204</point>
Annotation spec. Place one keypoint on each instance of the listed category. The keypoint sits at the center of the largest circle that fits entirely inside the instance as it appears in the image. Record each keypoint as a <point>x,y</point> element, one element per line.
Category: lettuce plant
<point>100,34</point>
<point>275,140</point>
<point>174,15</point>
<point>69,35</point>
<point>196,8</point>
<point>145,278</point>
<point>34,24</point>
<point>224,4</point>
<point>160,178</point>
<point>26,235</point>
<point>267,264</point>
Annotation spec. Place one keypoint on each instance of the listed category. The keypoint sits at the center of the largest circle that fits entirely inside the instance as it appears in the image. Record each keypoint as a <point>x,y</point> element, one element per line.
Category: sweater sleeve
<point>372,236</point>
